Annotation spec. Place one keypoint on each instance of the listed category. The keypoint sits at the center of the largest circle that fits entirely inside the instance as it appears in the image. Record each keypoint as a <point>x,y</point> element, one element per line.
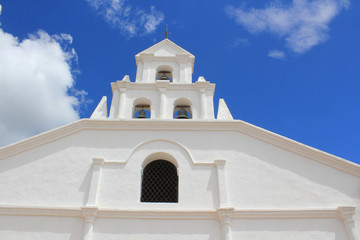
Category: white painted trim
<point>13,210</point>
<point>140,145</point>
<point>189,125</point>
<point>286,213</point>
<point>174,214</point>
<point>169,86</point>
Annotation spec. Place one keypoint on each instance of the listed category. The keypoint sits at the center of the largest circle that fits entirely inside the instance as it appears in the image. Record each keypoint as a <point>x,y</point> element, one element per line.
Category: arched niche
<point>164,73</point>
<point>142,104</point>
<point>182,103</point>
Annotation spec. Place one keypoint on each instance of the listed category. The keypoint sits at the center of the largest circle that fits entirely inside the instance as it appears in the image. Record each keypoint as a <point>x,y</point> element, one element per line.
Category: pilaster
<point>184,67</point>
<point>346,214</point>
<point>147,59</point>
<point>122,86</point>
<point>225,211</point>
<point>203,86</point>
<point>115,101</point>
<point>89,214</point>
<point>162,86</point>
<point>95,181</point>
<point>223,198</point>
<point>224,215</point>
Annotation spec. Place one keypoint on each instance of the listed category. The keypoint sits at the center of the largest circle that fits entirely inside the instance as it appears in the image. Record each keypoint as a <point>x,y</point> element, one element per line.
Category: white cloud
<point>302,23</point>
<point>35,79</point>
<point>128,19</point>
<point>277,54</point>
<point>63,37</point>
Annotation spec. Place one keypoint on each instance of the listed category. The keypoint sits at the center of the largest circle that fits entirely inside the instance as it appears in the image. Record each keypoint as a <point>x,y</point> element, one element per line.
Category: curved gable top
<point>161,125</point>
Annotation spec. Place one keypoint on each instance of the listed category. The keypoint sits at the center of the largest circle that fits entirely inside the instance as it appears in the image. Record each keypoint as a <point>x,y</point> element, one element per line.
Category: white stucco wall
<point>285,229</point>
<point>40,227</point>
<point>137,229</point>
<point>259,176</point>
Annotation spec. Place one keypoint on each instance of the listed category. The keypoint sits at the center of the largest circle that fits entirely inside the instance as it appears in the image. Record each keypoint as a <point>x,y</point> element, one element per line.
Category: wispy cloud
<point>301,23</point>
<point>277,54</point>
<point>130,20</point>
<point>36,85</point>
<point>239,42</point>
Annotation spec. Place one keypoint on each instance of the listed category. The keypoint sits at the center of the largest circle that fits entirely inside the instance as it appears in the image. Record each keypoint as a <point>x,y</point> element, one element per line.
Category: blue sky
<point>291,67</point>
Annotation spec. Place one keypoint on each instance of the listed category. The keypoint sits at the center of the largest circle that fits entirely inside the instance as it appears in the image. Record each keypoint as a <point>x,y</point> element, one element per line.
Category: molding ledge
<point>172,214</point>
<point>40,211</point>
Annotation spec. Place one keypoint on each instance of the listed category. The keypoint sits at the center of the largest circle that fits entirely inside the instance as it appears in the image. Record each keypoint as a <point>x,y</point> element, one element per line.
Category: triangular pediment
<point>166,48</point>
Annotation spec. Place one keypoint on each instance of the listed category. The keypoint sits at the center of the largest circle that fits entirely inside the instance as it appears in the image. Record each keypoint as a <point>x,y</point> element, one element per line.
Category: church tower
<point>161,166</point>
<point>163,89</point>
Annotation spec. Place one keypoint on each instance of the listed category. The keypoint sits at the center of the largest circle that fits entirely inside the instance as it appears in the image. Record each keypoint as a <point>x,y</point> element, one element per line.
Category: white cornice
<point>173,214</point>
<point>171,86</point>
<point>41,139</point>
<point>40,211</point>
<point>291,213</point>
<point>180,125</point>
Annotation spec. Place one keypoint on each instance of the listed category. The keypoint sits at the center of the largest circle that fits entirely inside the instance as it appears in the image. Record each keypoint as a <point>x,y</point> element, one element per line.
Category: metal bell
<point>142,114</point>
<point>182,114</point>
<point>163,76</point>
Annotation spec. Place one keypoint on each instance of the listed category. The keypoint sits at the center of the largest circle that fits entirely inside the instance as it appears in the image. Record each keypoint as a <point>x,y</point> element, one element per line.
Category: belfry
<point>159,164</point>
<point>163,88</point>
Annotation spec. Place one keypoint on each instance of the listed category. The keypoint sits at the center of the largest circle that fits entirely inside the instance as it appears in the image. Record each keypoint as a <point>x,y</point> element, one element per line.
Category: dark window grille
<point>159,182</point>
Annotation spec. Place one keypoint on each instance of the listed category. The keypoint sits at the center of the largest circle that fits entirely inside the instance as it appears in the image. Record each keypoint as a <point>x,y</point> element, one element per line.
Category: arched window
<point>159,182</point>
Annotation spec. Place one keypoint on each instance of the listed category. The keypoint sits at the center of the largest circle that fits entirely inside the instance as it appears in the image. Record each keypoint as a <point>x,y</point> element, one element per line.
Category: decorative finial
<point>166,33</point>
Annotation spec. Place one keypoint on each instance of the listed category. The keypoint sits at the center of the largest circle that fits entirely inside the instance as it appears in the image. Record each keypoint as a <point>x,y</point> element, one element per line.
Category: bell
<point>182,114</point>
<point>163,77</point>
<point>142,114</point>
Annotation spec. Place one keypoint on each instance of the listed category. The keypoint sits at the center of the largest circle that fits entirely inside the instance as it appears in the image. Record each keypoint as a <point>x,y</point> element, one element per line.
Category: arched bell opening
<point>142,108</point>
<point>182,109</point>
<point>164,73</point>
<point>182,112</point>
<point>143,112</point>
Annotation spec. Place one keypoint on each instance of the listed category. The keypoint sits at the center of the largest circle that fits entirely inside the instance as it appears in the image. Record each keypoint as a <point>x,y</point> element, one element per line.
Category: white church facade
<point>161,166</point>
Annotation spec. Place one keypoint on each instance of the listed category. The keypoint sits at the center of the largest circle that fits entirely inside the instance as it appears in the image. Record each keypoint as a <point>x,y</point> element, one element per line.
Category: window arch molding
<point>159,155</point>
<point>145,151</point>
